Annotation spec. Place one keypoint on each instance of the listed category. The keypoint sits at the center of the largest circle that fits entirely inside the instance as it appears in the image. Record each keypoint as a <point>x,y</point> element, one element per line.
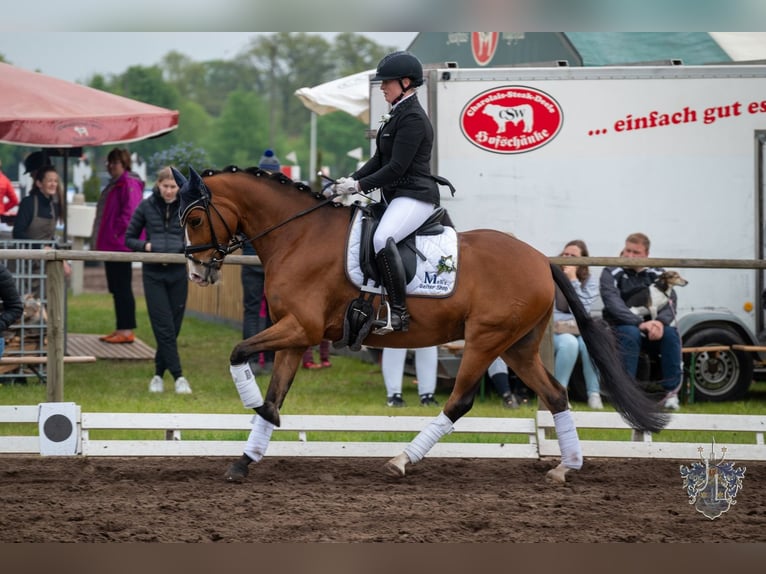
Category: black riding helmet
<point>398,65</point>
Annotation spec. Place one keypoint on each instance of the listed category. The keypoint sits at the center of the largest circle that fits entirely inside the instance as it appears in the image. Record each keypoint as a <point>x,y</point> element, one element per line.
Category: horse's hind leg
<point>529,367</point>
<point>420,445</point>
<point>472,367</point>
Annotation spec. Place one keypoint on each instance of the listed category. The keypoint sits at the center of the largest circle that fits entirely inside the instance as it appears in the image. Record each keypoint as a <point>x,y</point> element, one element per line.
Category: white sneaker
<point>155,385</point>
<point>182,386</point>
<point>671,403</point>
<point>594,401</point>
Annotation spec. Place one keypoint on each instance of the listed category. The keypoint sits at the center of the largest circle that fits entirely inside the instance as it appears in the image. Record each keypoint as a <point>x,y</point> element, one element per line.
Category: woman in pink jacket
<point>116,205</point>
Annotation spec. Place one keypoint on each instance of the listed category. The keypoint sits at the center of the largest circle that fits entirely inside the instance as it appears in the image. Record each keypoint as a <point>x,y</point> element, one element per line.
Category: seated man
<point>617,286</point>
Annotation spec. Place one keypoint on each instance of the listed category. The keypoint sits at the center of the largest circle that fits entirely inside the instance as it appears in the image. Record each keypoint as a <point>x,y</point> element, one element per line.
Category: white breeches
<point>402,216</point>
<point>426,364</point>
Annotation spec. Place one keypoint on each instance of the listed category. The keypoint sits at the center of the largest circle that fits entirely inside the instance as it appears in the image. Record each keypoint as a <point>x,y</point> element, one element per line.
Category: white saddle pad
<point>434,277</point>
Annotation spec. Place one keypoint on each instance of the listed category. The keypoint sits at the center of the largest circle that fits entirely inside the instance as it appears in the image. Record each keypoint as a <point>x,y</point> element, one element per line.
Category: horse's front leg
<point>289,339</point>
<point>267,412</point>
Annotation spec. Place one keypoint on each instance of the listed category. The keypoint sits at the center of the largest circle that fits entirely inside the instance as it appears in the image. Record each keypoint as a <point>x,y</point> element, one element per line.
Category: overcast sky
<point>76,56</point>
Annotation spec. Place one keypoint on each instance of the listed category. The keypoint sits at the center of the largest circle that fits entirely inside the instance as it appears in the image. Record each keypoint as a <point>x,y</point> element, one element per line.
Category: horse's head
<point>209,229</point>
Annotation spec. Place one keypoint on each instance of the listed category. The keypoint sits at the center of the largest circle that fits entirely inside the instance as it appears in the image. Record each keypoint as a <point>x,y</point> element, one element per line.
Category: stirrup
<point>385,327</point>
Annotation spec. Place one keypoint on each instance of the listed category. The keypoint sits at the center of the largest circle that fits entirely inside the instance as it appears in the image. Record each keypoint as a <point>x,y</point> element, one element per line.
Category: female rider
<point>401,169</point>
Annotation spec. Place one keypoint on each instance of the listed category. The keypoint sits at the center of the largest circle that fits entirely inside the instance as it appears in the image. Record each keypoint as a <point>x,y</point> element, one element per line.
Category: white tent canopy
<point>742,46</point>
<point>350,94</point>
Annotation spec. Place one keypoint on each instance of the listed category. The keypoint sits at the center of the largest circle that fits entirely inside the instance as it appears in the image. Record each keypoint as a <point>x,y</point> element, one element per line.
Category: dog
<point>34,310</point>
<point>657,295</point>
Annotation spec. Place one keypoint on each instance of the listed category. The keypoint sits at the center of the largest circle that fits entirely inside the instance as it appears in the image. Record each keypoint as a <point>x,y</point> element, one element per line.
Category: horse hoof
<point>558,474</point>
<point>237,472</point>
<point>392,469</point>
<point>395,466</point>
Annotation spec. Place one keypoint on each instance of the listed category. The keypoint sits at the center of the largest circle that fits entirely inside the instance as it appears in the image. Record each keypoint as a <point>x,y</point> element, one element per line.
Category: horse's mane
<point>275,176</point>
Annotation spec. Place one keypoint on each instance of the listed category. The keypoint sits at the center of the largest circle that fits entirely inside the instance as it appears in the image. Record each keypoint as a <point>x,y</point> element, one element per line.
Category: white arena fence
<point>525,438</point>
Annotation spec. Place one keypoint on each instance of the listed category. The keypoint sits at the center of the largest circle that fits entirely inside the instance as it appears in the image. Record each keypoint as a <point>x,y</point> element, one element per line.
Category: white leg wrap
<point>428,437</point>
<point>246,386</point>
<point>569,443</point>
<point>259,438</point>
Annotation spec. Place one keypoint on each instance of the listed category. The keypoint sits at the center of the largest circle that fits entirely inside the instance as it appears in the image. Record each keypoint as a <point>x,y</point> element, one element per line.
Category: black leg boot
<point>391,271</point>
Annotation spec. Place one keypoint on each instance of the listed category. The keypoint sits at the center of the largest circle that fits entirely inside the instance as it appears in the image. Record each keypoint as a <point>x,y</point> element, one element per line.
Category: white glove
<point>346,186</point>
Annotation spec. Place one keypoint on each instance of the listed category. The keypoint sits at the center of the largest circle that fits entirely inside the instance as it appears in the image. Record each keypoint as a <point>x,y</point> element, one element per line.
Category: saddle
<point>408,250</point>
<point>360,315</point>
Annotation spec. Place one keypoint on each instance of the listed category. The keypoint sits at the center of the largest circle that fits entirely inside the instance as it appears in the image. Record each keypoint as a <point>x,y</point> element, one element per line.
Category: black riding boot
<point>391,271</point>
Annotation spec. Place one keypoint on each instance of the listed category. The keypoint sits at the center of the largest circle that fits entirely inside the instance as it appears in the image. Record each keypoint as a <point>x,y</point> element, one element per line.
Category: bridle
<point>237,240</point>
<point>221,249</point>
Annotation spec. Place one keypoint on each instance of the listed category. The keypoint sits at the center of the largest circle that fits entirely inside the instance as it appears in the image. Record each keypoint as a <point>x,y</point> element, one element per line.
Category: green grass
<point>349,387</point>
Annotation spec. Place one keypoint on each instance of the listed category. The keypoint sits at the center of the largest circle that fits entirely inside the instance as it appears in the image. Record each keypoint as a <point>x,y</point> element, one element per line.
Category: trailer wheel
<point>719,376</point>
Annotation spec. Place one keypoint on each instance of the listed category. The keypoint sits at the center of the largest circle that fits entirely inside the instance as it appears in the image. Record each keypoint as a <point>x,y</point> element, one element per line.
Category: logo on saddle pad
<point>434,274</point>
<point>712,485</point>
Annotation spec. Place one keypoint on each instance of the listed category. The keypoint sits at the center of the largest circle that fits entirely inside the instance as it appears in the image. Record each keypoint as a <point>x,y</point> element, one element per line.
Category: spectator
<point>38,214</point>
<point>508,385</point>
<point>659,336</point>
<point>324,356</point>
<point>255,316</point>
<point>567,342</point>
<point>501,381</point>
<point>33,162</point>
<point>8,197</point>
<point>165,284</point>
<point>116,205</point>
<point>40,210</point>
<point>392,366</point>
<point>12,307</point>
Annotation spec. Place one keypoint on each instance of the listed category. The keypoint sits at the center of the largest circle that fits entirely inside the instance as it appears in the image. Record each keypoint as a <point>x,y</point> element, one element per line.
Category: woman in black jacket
<point>155,227</point>
<point>401,169</point>
<point>12,307</point>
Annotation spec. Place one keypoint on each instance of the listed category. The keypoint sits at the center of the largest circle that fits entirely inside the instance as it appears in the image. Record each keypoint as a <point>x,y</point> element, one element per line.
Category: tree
<point>147,85</point>
<point>354,53</point>
<point>340,134</point>
<point>241,134</point>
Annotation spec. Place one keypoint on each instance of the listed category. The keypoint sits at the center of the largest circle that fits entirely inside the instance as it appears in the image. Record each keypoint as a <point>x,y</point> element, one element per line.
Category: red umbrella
<point>38,110</point>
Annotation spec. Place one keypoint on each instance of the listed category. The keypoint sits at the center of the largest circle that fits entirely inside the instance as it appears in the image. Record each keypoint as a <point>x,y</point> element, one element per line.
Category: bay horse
<point>501,306</point>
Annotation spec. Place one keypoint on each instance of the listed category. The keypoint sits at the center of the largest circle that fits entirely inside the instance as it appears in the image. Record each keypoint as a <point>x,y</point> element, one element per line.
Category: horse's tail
<point>638,410</point>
